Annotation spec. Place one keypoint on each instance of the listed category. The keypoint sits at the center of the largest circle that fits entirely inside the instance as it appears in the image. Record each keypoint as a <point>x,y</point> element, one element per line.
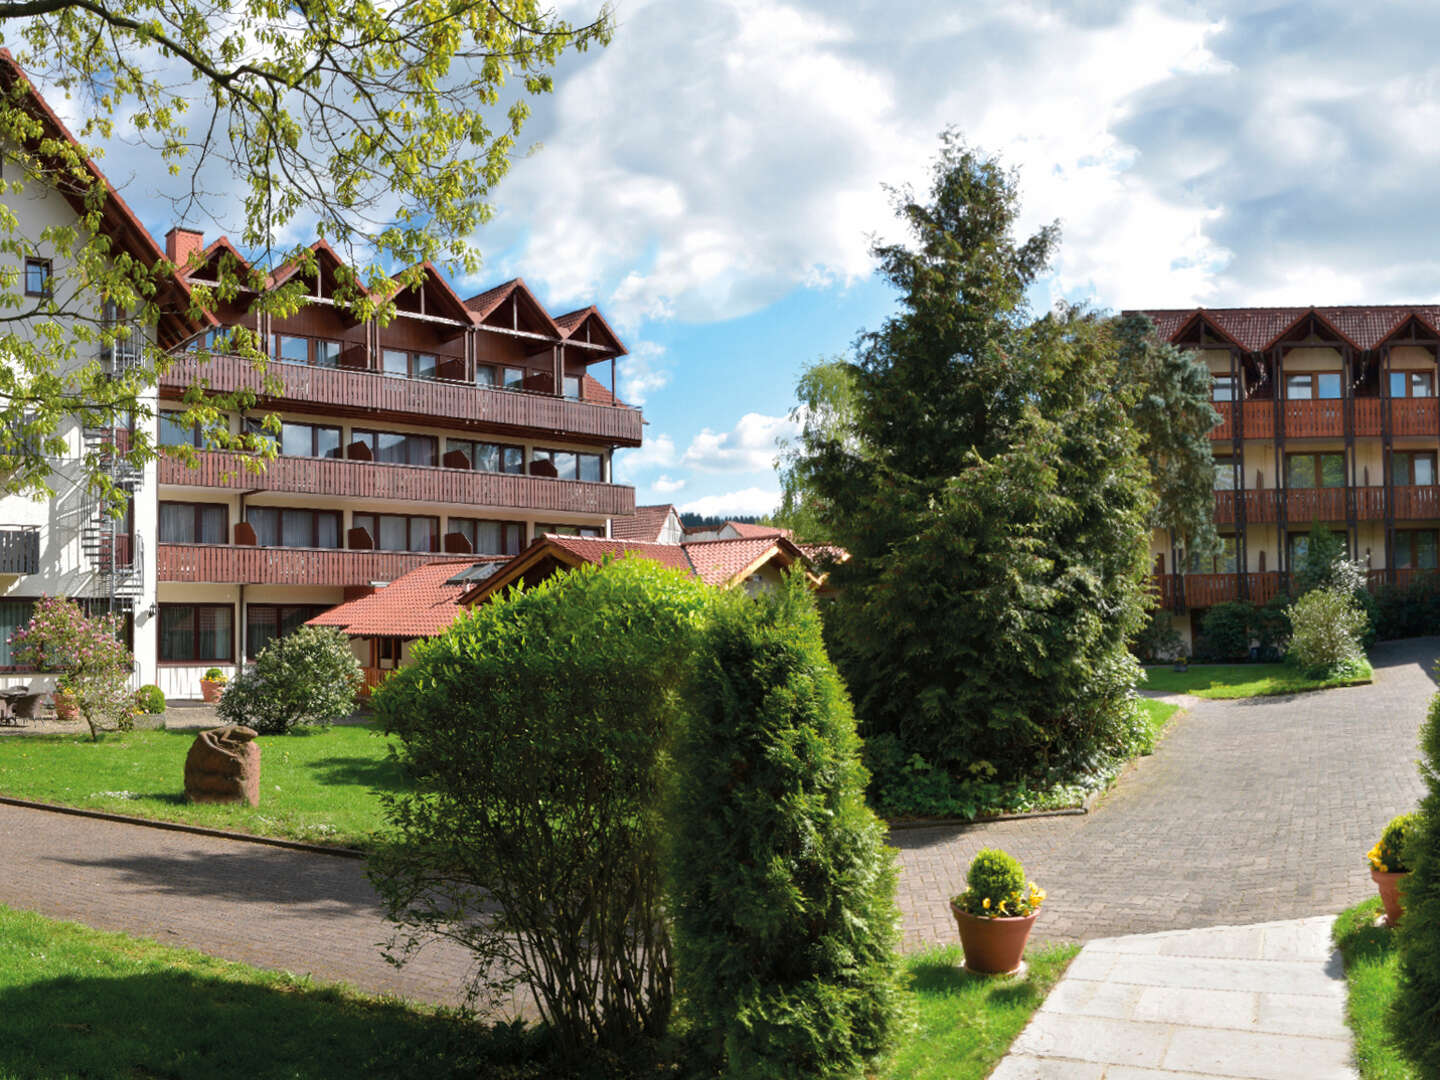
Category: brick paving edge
<point>931,823</point>
<point>180,826</point>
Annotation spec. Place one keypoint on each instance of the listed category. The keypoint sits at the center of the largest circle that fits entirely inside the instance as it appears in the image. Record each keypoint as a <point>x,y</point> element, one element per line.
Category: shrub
<point>93,663</point>
<point>1326,626</point>
<point>1391,853</point>
<point>782,888</point>
<point>1159,642</point>
<point>538,729</point>
<point>150,699</point>
<point>1418,1001</point>
<point>309,676</point>
<point>997,887</point>
<point>1227,630</point>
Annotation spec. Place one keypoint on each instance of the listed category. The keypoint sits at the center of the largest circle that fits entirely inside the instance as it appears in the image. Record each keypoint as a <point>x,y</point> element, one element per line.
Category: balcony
<point>245,565</point>
<point>1326,419</point>
<point>371,395</point>
<point>1206,590</point>
<point>1328,504</point>
<point>19,549</point>
<point>413,483</point>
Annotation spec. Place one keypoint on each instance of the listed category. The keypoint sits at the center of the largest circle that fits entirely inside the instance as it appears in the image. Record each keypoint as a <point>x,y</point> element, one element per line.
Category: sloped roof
<point>720,562</point>
<point>755,532</point>
<point>645,524</point>
<point>1365,326</point>
<point>485,304</point>
<point>572,321</point>
<point>420,603</point>
<point>593,550</point>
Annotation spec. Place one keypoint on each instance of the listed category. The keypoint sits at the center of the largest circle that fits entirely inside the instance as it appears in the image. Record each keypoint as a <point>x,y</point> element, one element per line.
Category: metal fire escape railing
<point>110,544</point>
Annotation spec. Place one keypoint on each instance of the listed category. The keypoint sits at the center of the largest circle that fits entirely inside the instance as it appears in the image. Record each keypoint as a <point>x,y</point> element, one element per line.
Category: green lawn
<point>1371,972</point>
<point>1239,680</point>
<point>318,785</point>
<point>76,1002</point>
<point>967,1022</point>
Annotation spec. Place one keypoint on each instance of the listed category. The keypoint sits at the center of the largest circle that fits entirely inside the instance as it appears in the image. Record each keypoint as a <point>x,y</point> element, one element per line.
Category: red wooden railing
<point>1206,590</point>
<point>350,392</point>
<point>240,564</point>
<point>1328,504</point>
<point>369,480</point>
<point>1316,419</point>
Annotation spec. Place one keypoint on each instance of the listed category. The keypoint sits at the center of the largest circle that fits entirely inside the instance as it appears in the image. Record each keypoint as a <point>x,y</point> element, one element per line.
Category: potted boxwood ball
<point>995,913</point>
<point>212,685</point>
<point>1388,865</point>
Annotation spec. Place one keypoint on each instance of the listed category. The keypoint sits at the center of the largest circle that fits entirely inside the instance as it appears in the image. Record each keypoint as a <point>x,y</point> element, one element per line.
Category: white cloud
<point>666,486</point>
<point>654,453</point>
<point>748,447</point>
<point>748,502</point>
<point>641,372</point>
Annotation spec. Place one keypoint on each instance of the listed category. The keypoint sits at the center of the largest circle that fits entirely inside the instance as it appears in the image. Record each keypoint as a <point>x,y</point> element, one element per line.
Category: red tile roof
<point>483,305</point>
<point>755,532</point>
<point>1253,329</point>
<point>420,603</point>
<point>645,524</point>
<point>717,562</point>
<point>594,550</point>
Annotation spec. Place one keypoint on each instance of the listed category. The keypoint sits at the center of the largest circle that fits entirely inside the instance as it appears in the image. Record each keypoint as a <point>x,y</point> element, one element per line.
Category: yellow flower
<point>985,903</point>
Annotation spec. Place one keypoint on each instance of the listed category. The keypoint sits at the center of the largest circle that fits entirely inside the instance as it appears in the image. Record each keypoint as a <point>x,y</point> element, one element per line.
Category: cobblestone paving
<point>1249,811</point>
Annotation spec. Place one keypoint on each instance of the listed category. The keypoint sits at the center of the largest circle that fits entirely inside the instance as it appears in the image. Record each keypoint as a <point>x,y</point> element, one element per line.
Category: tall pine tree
<point>993,497</point>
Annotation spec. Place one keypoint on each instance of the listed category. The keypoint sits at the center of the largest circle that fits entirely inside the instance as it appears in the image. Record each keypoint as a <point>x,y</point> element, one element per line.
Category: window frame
<point>195,443</point>
<point>1232,389</point>
<point>313,609</point>
<point>255,427</point>
<point>585,532</point>
<point>1224,466</point>
<point>467,446</point>
<point>1409,375</point>
<point>1316,457</point>
<point>435,535</point>
<point>1314,379</point>
<point>1410,456</point>
<point>197,507</point>
<point>197,659</point>
<point>411,363</point>
<point>549,453</point>
<point>47,288</point>
<point>314,513</point>
<point>371,437</point>
<point>505,527</point>
<point>1224,561</point>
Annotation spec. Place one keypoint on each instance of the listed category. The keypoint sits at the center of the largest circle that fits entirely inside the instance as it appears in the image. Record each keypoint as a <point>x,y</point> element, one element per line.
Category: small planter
<point>1180,665</point>
<point>66,710</point>
<point>211,691</point>
<point>993,946</point>
<point>1389,886</point>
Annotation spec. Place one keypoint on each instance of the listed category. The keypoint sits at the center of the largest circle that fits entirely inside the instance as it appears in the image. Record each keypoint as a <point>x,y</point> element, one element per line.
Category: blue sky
<point>714,177</point>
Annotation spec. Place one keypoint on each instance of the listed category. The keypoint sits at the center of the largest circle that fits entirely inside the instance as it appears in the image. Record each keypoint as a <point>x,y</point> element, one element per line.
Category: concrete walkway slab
<point>1263,1002</point>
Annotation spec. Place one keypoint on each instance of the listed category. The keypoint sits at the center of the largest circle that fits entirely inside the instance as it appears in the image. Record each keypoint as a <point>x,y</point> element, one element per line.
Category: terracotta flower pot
<point>211,691</point>
<point>66,710</point>
<point>993,946</point>
<point>1389,886</point>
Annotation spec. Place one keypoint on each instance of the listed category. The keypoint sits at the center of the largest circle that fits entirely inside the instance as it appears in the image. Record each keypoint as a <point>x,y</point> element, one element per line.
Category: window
<point>484,375</point>
<point>13,615</point>
<point>567,465</point>
<point>37,277</point>
<point>283,527</point>
<point>1411,384</point>
<point>512,378</point>
<point>572,387</point>
<point>413,365</point>
<point>387,653</point>
<point>1315,470</point>
<point>175,432</point>
<point>197,633</point>
<point>491,537</point>
<point>489,457</point>
<point>1299,543</point>
<point>1223,389</point>
<point>266,622</point>
<point>1312,385</point>
<point>1221,562</point>
<point>1410,468</point>
<point>1224,474</point>
<point>1415,549</point>
<point>300,440</point>
<point>570,530</point>
<point>401,532</point>
<point>327,353</point>
<point>293,350</point>
<point>398,448</point>
<point>194,523</point>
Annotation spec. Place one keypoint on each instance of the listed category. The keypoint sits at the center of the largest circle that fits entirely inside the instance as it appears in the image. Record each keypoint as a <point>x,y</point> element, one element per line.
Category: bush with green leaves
<point>93,664</point>
<point>150,699</point>
<point>538,730</point>
<point>996,887</point>
<point>1326,628</point>
<point>310,676</point>
<point>782,888</point>
<point>1417,1003</point>
<point>1159,642</point>
<point>1391,853</point>
<point>1227,630</point>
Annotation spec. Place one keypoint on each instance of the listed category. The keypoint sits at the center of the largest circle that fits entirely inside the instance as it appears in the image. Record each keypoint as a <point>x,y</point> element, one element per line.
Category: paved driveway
<point>1249,811</point>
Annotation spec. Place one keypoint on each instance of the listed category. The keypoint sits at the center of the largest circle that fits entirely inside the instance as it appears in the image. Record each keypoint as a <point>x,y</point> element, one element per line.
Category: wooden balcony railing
<point>347,392</point>
<point>415,483</point>
<point>1326,419</point>
<point>242,565</point>
<point>1206,590</point>
<point>1328,504</point>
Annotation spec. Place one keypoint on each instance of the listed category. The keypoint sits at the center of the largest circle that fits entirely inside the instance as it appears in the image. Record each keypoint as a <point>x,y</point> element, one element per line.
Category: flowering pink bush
<point>93,663</point>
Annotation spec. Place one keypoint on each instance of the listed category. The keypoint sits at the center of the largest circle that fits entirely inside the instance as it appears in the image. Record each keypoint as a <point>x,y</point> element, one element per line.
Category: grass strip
<point>1226,681</point>
<point>1372,978</point>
